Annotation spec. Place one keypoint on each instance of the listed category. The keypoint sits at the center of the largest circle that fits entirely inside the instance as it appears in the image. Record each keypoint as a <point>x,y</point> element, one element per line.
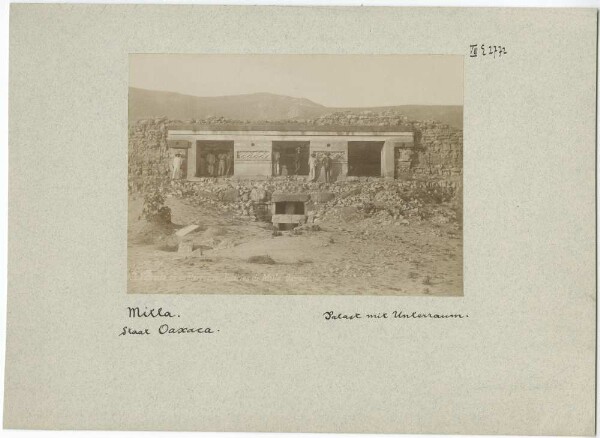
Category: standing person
<point>312,166</point>
<point>177,161</point>
<point>210,159</point>
<point>276,163</point>
<point>229,163</point>
<point>297,160</point>
<point>327,167</point>
<point>221,170</point>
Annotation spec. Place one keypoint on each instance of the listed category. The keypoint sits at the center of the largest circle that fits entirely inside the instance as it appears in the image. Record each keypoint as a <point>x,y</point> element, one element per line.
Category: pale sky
<point>330,80</point>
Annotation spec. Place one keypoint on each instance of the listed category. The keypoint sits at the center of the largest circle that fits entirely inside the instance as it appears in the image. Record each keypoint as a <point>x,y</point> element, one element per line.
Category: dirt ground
<point>351,257</point>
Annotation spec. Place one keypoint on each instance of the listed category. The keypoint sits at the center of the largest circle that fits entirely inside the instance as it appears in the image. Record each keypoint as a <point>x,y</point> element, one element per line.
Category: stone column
<point>191,160</point>
<point>387,159</point>
<point>344,171</point>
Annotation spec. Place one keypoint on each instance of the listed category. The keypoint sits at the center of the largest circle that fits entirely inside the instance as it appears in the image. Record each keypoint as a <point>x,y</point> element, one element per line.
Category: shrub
<point>155,210</point>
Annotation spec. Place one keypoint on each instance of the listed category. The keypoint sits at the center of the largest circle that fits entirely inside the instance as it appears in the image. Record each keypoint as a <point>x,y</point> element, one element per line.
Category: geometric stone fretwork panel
<point>254,155</point>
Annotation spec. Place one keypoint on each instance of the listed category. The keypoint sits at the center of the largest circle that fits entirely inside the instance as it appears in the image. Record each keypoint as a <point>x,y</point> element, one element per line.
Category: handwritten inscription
<point>163,329</point>
<point>480,51</point>
<point>136,312</point>
<point>166,330</point>
<point>132,331</point>
<point>396,314</point>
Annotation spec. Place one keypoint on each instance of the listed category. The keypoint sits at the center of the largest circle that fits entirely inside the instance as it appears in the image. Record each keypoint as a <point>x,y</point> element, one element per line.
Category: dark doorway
<point>214,158</point>
<point>364,158</point>
<point>290,158</point>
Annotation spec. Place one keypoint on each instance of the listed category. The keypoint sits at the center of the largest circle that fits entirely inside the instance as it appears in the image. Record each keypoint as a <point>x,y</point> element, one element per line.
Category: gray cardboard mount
<point>522,363</point>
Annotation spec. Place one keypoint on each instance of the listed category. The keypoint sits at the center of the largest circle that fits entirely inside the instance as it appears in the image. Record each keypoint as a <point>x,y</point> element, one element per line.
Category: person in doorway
<point>276,163</point>
<point>297,162</point>
<point>229,163</point>
<point>312,167</point>
<point>327,167</point>
<point>221,169</point>
<point>177,162</point>
<point>210,164</point>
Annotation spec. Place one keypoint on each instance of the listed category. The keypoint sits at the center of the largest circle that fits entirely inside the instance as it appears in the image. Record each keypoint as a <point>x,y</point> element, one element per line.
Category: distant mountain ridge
<point>146,104</point>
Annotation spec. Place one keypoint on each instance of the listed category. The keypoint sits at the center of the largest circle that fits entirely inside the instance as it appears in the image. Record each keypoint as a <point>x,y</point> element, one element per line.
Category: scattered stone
<point>229,195</point>
<point>261,259</point>
<point>322,196</point>
<point>186,246</point>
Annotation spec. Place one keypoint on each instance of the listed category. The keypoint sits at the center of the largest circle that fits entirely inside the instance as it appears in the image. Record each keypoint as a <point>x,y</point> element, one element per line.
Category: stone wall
<point>440,150</point>
<point>438,153</point>
<point>148,152</point>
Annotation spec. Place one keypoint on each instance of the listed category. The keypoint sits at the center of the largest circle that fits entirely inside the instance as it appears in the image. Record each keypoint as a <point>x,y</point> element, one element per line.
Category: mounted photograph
<point>295,174</point>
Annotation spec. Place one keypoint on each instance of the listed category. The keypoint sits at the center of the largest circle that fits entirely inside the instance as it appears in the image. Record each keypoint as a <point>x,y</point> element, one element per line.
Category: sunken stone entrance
<point>288,210</point>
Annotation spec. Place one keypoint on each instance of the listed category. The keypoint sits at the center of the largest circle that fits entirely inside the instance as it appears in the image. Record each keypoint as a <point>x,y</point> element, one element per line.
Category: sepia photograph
<point>295,174</point>
<point>302,219</point>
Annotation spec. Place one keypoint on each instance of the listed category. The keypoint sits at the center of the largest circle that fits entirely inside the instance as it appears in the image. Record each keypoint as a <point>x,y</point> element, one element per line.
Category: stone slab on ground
<point>186,230</point>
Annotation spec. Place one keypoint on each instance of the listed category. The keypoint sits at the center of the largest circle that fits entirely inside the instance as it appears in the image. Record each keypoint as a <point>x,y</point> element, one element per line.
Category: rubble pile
<point>378,201</point>
<point>362,118</point>
<point>388,202</point>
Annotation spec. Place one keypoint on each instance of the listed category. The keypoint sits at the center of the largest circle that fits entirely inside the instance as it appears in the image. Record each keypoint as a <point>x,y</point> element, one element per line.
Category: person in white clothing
<point>177,162</point>
<point>312,166</point>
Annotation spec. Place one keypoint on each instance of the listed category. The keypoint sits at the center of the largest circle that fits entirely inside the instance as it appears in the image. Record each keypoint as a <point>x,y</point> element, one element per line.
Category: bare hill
<point>144,104</point>
<point>258,106</point>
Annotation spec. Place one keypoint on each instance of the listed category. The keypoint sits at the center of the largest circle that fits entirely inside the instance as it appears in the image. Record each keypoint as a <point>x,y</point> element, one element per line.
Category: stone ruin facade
<point>427,149</point>
<point>271,150</point>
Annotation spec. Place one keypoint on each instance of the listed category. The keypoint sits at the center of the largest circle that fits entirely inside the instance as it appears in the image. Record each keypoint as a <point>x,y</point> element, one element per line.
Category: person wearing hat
<point>177,162</point>
<point>276,163</point>
<point>221,165</point>
<point>229,163</point>
<point>297,159</point>
<point>327,167</point>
